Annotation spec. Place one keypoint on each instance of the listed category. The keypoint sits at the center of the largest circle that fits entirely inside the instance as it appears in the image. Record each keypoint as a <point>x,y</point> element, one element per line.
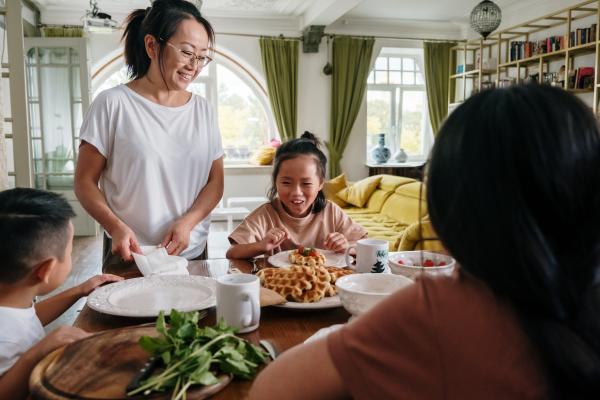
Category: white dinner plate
<point>147,296</point>
<point>326,302</point>
<point>332,259</point>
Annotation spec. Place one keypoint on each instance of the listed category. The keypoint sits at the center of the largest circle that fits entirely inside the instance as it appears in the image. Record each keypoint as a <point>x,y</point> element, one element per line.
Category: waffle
<point>336,273</point>
<point>297,257</point>
<point>298,283</point>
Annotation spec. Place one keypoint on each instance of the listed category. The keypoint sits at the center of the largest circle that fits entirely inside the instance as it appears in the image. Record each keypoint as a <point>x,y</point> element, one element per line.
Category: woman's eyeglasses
<point>190,58</point>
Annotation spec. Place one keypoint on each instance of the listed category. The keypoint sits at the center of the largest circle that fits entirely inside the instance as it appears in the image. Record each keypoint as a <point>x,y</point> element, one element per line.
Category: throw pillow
<point>264,155</point>
<point>332,186</point>
<point>359,193</point>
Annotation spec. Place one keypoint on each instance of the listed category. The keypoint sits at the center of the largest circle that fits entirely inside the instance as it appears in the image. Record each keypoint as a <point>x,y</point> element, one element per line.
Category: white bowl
<point>408,263</point>
<point>360,292</point>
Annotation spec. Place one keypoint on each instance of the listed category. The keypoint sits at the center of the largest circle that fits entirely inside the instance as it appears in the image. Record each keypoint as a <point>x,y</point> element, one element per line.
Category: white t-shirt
<point>157,160</point>
<point>21,329</point>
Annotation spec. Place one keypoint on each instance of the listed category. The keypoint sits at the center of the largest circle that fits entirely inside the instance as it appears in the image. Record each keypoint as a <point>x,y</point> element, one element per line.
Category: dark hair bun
<point>311,137</point>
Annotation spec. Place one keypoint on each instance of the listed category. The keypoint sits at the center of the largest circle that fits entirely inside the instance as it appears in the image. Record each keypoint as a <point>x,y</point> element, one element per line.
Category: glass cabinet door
<point>55,112</point>
<point>57,97</point>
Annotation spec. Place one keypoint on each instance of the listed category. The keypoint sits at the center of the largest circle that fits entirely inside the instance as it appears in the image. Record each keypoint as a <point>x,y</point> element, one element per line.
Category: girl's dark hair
<point>307,144</point>
<point>513,191</point>
<point>161,21</point>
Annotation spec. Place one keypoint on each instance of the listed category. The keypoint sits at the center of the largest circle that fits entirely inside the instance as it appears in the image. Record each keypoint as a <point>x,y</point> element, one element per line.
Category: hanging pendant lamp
<point>485,18</point>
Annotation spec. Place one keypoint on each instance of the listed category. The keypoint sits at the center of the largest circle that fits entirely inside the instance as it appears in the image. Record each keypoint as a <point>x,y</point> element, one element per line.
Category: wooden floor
<point>87,257</point>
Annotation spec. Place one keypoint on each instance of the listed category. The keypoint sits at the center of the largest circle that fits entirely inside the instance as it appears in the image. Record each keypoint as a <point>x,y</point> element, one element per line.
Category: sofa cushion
<point>419,236</point>
<point>389,183</point>
<point>332,186</point>
<point>359,192</point>
<point>403,205</point>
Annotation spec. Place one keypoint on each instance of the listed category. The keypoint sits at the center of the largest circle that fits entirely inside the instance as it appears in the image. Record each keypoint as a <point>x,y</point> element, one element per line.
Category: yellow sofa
<point>396,211</point>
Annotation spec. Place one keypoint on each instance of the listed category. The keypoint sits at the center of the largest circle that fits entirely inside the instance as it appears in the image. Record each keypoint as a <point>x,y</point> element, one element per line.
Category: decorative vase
<point>380,153</point>
<point>400,156</point>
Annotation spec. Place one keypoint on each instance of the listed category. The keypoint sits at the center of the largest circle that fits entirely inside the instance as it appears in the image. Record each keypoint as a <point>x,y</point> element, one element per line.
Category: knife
<point>144,373</point>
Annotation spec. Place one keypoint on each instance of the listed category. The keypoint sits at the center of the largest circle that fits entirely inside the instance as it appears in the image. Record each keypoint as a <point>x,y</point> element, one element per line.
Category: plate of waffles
<point>304,287</point>
<point>307,256</point>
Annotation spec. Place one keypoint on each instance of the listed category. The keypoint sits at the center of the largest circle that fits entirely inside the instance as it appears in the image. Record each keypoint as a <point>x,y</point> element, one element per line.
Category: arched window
<point>240,101</point>
<point>397,103</point>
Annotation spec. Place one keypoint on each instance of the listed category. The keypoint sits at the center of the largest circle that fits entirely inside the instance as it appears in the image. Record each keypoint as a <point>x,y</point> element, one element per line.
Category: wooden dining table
<point>283,327</point>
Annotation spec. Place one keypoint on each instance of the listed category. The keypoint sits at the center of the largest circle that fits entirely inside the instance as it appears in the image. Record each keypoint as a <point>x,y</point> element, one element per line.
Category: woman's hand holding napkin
<point>155,260</point>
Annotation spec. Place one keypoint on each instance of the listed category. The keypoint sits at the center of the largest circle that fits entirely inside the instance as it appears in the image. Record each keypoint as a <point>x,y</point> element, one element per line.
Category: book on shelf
<point>520,49</point>
<point>582,36</point>
<point>581,78</point>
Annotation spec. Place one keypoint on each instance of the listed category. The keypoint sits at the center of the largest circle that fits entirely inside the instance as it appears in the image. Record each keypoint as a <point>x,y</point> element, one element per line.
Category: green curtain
<point>351,61</point>
<point>280,60</point>
<point>436,57</point>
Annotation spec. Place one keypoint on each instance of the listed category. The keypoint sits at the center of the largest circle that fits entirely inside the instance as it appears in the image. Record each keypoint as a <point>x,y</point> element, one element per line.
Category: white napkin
<point>156,261</point>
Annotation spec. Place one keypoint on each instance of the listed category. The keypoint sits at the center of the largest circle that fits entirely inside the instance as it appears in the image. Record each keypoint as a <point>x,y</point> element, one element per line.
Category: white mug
<point>371,256</point>
<point>238,301</point>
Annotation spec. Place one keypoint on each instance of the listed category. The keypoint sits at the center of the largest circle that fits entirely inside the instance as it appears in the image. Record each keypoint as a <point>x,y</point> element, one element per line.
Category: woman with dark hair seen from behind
<point>154,147</point>
<point>513,191</point>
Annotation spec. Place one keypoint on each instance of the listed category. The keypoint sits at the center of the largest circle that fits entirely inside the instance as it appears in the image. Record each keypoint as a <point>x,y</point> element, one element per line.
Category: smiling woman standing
<point>150,167</point>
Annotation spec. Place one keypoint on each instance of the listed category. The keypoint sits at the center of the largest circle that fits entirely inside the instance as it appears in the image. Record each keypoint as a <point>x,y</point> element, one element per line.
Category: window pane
<point>395,77</point>
<point>32,83</point>
<point>381,63</point>
<point>77,119</point>
<point>412,122</point>
<point>381,77</point>
<point>30,56</point>
<point>379,107</point>
<point>76,84</point>
<point>242,119</point>
<point>395,63</point>
<point>74,56</point>
<point>54,55</point>
<point>408,78</point>
<point>119,77</point>
<point>420,79</point>
<point>56,121</point>
<point>34,120</point>
<point>198,88</point>
<point>408,64</point>
<point>36,149</point>
<point>371,77</point>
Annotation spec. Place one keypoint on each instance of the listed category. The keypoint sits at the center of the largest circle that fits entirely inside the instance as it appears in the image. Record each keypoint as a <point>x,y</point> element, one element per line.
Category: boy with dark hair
<point>36,239</point>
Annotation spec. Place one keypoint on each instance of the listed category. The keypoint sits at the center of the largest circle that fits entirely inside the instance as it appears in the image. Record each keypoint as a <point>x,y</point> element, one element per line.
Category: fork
<point>255,268</point>
<point>269,347</point>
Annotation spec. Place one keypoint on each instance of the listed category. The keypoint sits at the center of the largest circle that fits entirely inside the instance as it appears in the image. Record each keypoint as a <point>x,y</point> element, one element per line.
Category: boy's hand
<point>273,238</point>
<point>336,241</point>
<point>88,286</point>
<point>124,242</point>
<point>59,337</point>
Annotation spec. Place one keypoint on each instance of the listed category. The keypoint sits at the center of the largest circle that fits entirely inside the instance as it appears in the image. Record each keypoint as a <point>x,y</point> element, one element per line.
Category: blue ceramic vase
<point>380,153</point>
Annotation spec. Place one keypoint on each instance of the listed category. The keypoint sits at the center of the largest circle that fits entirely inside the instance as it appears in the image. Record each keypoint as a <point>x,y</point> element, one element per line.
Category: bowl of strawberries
<point>412,263</point>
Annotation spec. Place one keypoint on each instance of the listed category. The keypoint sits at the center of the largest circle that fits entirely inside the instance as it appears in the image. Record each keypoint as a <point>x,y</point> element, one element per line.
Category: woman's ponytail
<point>136,58</point>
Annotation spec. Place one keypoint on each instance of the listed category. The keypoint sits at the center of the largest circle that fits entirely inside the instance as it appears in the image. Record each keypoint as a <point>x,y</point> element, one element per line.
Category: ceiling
<point>296,14</point>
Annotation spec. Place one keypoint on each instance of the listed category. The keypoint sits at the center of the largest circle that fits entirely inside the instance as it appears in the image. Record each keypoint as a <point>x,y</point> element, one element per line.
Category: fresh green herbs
<point>193,355</point>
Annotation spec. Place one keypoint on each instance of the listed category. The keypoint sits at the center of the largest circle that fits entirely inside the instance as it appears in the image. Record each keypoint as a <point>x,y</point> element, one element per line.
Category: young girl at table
<point>513,192</point>
<point>298,213</point>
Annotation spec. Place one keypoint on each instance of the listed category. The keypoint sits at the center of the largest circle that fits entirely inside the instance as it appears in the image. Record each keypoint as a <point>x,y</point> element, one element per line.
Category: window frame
<point>396,91</point>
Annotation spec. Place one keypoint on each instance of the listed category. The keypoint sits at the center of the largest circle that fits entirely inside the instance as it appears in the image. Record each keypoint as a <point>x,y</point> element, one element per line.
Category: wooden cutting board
<point>100,367</point>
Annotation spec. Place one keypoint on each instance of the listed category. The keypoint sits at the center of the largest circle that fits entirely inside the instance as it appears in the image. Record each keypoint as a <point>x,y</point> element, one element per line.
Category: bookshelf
<point>561,48</point>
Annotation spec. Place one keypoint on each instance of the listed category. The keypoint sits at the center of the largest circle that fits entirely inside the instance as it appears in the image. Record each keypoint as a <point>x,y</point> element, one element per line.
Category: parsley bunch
<point>193,355</point>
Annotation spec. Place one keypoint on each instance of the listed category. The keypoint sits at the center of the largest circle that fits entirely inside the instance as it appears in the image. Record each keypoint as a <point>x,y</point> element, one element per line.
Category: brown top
<point>310,231</point>
<point>448,338</point>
